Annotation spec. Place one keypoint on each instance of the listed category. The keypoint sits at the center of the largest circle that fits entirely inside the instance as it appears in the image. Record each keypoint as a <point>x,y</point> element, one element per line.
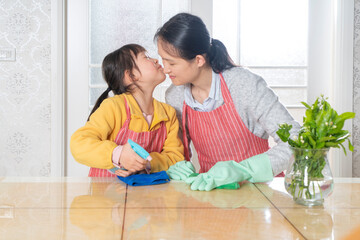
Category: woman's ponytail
<point>218,57</point>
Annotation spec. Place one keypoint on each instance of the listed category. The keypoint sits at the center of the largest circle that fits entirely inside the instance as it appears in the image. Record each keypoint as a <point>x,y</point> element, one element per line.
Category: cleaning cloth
<point>146,179</point>
<point>231,186</point>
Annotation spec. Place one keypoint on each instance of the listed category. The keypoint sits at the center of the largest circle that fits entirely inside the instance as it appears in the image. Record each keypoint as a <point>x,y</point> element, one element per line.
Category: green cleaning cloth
<point>231,186</point>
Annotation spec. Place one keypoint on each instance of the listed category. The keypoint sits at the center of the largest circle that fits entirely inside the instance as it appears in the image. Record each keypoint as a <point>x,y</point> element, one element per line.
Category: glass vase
<point>308,178</point>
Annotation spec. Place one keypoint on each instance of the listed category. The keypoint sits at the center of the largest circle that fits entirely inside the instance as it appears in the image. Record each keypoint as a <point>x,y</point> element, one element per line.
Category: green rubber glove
<point>180,170</point>
<point>254,169</point>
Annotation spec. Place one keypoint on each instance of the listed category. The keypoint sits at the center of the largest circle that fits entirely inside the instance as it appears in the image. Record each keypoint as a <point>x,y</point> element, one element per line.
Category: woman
<point>226,110</point>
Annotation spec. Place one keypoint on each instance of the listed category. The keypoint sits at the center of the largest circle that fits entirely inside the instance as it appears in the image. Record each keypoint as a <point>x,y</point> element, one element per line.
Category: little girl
<point>131,114</point>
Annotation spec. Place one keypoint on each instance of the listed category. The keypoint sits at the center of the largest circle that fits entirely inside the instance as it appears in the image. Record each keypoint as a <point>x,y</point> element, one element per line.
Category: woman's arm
<point>261,111</point>
<point>269,112</point>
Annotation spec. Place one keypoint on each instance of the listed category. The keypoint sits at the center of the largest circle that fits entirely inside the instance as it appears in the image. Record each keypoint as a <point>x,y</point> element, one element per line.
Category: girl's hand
<point>123,173</point>
<point>131,161</point>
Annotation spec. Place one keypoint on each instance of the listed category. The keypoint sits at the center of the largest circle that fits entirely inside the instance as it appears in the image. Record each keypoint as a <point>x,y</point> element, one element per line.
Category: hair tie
<point>108,90</point>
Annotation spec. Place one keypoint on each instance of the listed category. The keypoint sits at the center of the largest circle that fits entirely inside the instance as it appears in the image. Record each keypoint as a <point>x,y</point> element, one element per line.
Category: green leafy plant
<point>322,129</point>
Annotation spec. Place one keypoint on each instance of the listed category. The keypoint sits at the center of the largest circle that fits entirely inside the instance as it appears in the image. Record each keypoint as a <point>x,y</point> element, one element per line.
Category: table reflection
<point>100,214</point>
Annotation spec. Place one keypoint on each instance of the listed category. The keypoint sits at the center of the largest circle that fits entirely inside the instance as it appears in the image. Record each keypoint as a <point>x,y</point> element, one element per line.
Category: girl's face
<point>151,72</point>
<point>180,71</point>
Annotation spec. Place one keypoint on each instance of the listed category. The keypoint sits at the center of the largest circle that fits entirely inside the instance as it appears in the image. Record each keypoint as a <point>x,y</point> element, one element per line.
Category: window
<point>115,23</point>
<point>301,48</point>
<point>270,38</point>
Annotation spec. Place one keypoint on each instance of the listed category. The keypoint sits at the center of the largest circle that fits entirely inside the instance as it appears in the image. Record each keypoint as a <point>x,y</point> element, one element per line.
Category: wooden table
<point>105,208</point>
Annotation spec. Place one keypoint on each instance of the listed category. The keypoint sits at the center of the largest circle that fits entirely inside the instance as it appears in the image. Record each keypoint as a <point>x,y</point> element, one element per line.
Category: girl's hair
<point>114,66</point>
<point>188,37</point>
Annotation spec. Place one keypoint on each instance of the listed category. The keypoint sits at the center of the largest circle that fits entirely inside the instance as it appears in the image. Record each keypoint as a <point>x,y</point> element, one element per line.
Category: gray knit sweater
<point>258,107</point>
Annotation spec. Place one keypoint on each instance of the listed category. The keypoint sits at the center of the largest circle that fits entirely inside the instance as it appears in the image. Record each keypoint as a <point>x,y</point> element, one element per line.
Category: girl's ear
<point>128,78</point>
<point>200,60</point>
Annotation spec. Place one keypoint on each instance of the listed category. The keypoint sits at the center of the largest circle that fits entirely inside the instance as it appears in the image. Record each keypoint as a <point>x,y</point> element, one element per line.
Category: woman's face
<point>151,72</point>
<point>180,71</point>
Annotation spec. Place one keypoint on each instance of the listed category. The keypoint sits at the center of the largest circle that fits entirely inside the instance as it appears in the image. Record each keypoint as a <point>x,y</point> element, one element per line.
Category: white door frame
<point>331,65</point>
<point>344,77</point>
<point>77,98</point>
<point>57,152</point>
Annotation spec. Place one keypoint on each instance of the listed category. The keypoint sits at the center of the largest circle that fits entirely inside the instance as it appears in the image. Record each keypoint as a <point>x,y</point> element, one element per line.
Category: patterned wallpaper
<point>25,95</point>
<point>356,122</point>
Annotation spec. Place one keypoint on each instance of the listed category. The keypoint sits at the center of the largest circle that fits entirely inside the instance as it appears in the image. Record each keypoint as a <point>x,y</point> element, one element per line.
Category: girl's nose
<point>155,60</point>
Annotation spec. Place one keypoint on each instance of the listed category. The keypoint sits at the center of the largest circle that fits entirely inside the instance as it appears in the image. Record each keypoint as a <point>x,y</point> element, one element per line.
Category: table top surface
<point>106,208</point>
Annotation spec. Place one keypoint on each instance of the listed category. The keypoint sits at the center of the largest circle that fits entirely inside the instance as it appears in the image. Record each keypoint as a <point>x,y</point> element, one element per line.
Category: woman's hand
<point>131,161</point>
<point>180,170</point>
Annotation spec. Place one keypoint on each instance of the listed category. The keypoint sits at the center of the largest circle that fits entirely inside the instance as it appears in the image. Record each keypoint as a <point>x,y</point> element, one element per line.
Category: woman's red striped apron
<point>220,135</point>
<point>151,141</point>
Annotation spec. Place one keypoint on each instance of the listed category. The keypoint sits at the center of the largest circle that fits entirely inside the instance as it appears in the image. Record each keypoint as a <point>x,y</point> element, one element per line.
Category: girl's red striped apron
<point>151,141</point>
<point>220,135</point>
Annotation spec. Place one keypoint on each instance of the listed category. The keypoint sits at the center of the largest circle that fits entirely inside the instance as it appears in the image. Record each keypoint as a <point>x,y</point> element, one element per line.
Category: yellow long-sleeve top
<point>93,144</point>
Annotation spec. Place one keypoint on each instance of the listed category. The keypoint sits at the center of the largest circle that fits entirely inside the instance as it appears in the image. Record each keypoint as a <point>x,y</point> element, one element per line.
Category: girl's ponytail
<point>218,57</point>
<point>114,66</point>
<point>102,97</point>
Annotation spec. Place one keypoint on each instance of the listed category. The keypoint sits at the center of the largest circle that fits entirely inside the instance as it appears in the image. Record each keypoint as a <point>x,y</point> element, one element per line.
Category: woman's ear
<point>200,60</point>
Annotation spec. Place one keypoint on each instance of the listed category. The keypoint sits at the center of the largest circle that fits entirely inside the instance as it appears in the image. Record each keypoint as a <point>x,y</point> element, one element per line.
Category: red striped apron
<point>151,141</point>
<point>220,135</point>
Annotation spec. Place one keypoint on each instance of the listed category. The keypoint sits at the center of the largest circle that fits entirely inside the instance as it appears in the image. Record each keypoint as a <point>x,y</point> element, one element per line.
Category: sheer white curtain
<point>114,23</point>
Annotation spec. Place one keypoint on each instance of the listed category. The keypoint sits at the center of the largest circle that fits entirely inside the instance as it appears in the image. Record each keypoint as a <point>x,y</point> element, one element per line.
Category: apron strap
<point>128,113</point>
<point>225,92</point>
<point>184,133</point>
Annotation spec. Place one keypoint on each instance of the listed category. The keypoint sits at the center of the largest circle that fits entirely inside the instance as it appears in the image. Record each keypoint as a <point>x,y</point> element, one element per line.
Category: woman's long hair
<point>188,37</point>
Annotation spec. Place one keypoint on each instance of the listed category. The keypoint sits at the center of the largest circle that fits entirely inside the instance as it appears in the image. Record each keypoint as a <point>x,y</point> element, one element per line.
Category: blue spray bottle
<point>138,149</point>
